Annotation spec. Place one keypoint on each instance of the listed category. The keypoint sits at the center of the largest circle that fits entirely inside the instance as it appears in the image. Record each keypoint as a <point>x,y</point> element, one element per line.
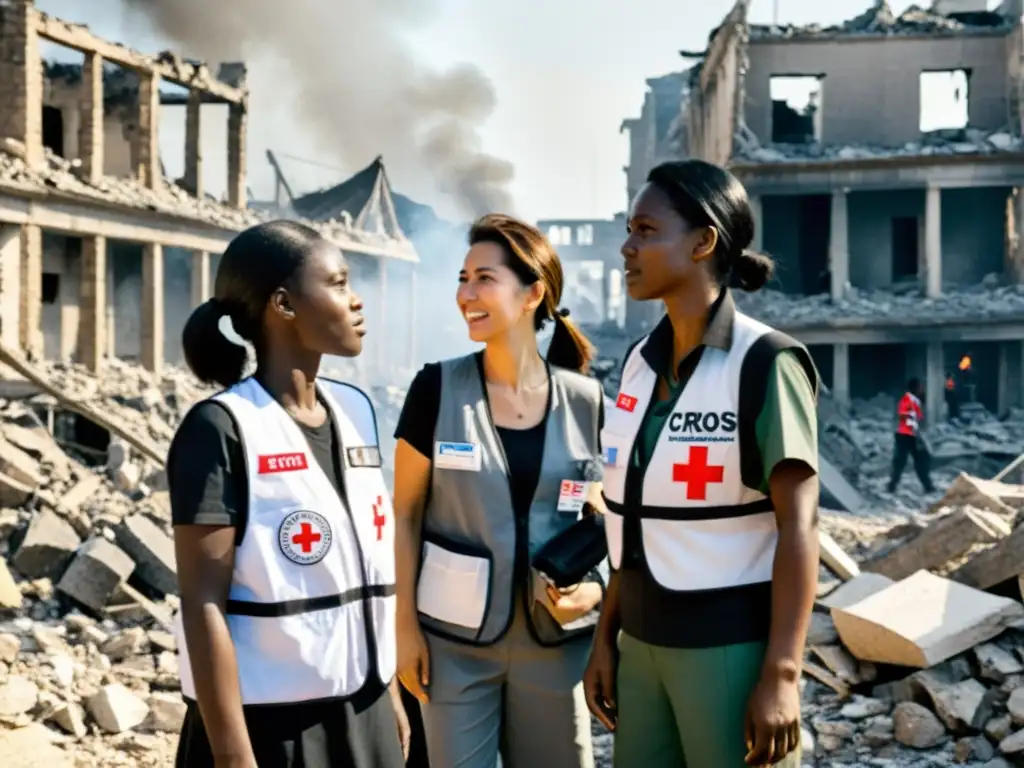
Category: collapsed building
<point>101,255</point>
<point>883,157</point>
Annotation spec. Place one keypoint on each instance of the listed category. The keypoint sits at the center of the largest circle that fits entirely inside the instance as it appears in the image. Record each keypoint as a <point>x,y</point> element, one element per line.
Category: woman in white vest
<point>497,453</point>
<point>284,533</point>
<point>712,495</point>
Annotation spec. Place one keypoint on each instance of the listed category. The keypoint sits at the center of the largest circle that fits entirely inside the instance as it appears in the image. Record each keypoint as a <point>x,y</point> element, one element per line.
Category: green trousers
<point>685,707</point>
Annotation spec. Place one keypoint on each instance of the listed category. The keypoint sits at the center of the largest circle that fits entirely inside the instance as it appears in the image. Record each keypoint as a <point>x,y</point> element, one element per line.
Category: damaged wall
<point>712,113</point>
<point>871,88</point>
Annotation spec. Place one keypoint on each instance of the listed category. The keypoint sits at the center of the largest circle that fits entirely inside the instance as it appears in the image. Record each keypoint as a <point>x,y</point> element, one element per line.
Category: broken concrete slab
<point>70,717</point>
<point>944,539</point>
<point>965,706</point>
<point>37,442</point>
<point>922,620</point>
<point>98,569</point>
<point>10,595</point>
<point>838,487</point>
<point>116,709</point>
<point>989,495</point>
<point>14,493</point>
<point>997,564</point>
<point>17,464</point>
<point>856,589</point>
<point>80,492</point>
<point>32,747</point>
<point>166,713</point>
<point>996,663</point>
<point>836,559</point>
<point>152,550</point>
<point>47,548</point>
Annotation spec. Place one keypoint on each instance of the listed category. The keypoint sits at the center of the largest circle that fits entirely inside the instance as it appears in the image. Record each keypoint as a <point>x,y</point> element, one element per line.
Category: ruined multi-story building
<point>885,163</point>
<point>100,254</point>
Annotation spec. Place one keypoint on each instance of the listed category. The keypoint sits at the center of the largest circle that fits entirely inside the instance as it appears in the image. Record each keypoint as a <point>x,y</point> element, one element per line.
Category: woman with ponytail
<point>711,495</point>
<point>286,632</point>
<point>497,454</point>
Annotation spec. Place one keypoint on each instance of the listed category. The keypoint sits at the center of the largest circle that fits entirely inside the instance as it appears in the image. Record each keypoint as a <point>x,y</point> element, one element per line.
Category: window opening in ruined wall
<point>796,108</point>
<point>944,100</point>
<point>53,129</point>
<point>560,235</point>
<point>585,234</point>
<point>906,246</point>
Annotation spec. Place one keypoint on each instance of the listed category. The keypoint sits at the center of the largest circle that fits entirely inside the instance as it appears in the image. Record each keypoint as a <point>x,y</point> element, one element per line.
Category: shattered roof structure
<point>880,21</point>
<point>368,200</point>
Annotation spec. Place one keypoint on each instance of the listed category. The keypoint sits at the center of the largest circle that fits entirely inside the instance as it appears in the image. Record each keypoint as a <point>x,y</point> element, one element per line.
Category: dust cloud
<point>358,88</point>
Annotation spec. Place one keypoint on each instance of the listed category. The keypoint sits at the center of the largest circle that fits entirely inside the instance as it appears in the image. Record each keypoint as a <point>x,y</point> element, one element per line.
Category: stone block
<point>98,569</point>
<point>152,550</point>
<point>166,713</point>
<point>116,709</point>
<point>17,464</point>
<point>10,595</point>
<point>47,548</point>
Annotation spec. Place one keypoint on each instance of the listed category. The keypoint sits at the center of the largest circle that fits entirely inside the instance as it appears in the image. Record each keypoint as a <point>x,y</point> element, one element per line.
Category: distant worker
<point>967,383</point>
<point>910,414</point>
<point>952,397</point>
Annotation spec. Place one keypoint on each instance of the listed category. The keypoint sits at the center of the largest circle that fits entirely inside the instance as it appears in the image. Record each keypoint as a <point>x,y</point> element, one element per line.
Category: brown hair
<point>530,255</point>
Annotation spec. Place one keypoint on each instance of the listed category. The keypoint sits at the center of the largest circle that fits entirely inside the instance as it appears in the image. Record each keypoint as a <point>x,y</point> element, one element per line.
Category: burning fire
<point>965,363</point>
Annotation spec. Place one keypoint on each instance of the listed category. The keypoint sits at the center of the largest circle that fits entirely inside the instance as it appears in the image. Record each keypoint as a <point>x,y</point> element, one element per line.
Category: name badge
<point>572,495</point>
<point>364,456</point>
<point>463,456</point>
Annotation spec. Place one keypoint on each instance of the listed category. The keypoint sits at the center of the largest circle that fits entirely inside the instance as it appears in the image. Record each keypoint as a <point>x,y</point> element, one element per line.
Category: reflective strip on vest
<point>310,579</point>
<point>701,527</point>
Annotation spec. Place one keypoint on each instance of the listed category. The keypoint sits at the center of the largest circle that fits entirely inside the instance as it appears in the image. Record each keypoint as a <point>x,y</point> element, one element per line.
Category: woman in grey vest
<point>497,453</point>
<point>711,496</point>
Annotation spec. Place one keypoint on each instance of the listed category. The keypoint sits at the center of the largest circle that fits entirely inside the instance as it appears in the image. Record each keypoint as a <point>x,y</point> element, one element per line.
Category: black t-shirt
<point>208,483</point>
<point>524,448</point>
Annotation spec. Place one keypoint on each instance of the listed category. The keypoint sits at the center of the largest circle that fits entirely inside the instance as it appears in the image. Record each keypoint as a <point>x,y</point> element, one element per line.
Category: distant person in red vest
<point>910,414</point>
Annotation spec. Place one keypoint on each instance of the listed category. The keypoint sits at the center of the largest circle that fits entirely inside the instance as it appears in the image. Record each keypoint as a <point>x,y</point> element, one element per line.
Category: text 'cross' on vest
<point>378,518</point>
<point>697,474</point>
<point>305,538</point>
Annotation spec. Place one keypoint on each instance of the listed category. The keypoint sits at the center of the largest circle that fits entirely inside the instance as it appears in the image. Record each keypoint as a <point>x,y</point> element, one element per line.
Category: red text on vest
<point>282,462</point>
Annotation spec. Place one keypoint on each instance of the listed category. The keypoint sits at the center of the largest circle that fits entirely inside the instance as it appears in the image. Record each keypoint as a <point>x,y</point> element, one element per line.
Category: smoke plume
<point>356,86</point>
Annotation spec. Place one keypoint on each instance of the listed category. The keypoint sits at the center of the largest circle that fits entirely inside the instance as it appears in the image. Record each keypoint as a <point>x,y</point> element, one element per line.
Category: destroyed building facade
<point>101,255</point>
<point>883,157</point>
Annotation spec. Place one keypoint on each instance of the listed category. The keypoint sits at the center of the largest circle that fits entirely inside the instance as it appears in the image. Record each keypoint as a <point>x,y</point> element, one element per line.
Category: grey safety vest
<point>470,533</point>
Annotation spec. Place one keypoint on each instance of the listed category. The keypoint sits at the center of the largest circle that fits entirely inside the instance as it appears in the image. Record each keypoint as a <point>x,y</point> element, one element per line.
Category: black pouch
<point>570,556</point>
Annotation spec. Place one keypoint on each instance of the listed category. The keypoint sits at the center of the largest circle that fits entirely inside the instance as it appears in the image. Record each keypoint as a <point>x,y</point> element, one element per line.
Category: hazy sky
<point>566,72</point>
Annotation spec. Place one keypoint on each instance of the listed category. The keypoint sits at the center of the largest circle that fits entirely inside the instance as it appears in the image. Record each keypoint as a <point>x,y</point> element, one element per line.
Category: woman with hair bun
<point>283,533</point>
<point>711,491</point>
<point>497,454</point>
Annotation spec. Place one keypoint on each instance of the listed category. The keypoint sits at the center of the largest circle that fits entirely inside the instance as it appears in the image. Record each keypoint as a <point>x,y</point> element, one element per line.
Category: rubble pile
<point>881,20</point>
<point>61,175</point>
<point>917,657</point>
<point>87,576</point>
<point>966,141</point>
<point>985,301</point>
<point>862,446</point>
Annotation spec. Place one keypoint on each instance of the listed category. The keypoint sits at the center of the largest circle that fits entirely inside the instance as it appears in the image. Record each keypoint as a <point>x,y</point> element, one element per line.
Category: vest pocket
<point>454,583</point>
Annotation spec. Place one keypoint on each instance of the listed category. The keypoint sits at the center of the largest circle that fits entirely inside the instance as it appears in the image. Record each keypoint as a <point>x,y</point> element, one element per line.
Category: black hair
<point>913,384</point>
<point>256,263</point>
<point>705,195</point>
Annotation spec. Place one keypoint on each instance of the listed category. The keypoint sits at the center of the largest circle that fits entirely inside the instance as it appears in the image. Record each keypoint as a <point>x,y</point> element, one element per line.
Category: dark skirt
<point>334,734</point>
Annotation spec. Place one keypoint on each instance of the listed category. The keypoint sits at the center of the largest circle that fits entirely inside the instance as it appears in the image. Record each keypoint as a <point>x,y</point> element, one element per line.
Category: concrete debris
<point>965,141</point>
<point>88,667</point>
<point>880,20</point>
<point>986,301</point>
<point>61,176</point>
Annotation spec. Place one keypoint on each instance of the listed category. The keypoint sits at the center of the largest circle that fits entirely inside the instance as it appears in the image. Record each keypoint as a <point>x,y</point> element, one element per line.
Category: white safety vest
<point>312,604</point>
<point>701,527</point>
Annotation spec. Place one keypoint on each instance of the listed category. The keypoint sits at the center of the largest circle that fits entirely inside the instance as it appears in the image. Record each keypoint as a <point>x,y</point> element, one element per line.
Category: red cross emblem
<point>697,474</point>
<point>378,518</point>
<point>305,538</point>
